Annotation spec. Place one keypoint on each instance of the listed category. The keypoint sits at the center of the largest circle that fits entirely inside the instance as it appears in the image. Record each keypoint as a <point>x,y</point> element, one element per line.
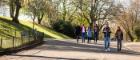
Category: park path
<point>70,50</point>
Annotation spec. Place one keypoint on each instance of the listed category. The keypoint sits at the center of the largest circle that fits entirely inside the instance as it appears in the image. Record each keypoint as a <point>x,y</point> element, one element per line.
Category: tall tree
<point>15,6</point>
<point>38,8</point>
<point>95,10</point>
<point>128,16</point>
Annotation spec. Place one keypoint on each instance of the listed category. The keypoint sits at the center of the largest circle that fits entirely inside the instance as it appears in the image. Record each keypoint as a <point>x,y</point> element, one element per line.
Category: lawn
<point>26,25</point>
<point>9,29</point>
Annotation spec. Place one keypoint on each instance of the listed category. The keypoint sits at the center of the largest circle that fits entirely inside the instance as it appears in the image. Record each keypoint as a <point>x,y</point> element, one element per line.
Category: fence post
<point>21,39</point>
<point>15,38</point>
<point>1,42</point>
<point>43,35</point>
<point>15,33</point>
<point>13,41</point>
<point>29,36</point>
<point>34,35</point>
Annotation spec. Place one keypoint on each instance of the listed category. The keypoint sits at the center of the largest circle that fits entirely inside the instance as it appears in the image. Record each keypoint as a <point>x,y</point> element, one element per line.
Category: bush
<point>64,27</point>
<point>137,32</point>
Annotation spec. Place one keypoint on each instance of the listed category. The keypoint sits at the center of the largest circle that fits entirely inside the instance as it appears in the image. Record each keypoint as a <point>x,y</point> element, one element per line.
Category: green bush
<point>64,27</point>
<point>137,32</point>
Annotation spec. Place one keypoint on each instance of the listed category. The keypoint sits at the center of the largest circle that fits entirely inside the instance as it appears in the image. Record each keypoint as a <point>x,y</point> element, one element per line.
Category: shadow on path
<point>70,46</point>
<point>67,46</point>
<point>50,57</point>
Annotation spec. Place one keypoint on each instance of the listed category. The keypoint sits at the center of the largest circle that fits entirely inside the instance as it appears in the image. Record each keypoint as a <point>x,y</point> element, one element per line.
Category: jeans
<point>83,36</point>
<point>107,42</point>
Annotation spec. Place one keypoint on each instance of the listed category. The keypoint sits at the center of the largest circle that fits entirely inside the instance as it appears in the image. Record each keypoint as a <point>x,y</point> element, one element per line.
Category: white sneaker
<point>108,49</point>
<point>105,50</point>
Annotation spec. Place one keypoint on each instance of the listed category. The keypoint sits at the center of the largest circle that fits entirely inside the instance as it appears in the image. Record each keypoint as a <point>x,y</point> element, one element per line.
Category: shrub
<point>137,32</point>
<point>64,27</point>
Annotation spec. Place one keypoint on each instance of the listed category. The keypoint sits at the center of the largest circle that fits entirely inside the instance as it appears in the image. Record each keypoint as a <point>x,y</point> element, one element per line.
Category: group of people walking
<point>81,31</point>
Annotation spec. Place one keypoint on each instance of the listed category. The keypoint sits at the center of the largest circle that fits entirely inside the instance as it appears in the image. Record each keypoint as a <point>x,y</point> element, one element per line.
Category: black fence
<point>19,39</point>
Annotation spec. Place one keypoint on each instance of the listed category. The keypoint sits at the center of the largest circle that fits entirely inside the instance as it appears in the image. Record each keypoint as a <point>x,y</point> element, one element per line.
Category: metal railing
<point>19,39</point>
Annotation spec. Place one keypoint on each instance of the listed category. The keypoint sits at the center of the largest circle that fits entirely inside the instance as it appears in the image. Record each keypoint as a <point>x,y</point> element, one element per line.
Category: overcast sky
<point>126,3</point>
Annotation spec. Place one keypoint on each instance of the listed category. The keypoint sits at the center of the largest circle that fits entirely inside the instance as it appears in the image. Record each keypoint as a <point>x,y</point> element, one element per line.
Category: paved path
<point>134,46</point>
<point>69,50</point>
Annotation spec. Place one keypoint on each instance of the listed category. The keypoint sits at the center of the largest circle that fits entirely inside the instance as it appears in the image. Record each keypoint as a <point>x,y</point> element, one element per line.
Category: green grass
<point>8,28</point>
<point>26,25</point>
<point>49,32</point>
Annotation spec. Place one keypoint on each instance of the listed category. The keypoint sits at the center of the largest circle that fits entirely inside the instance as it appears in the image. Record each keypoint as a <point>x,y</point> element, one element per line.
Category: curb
<point>8,52</point>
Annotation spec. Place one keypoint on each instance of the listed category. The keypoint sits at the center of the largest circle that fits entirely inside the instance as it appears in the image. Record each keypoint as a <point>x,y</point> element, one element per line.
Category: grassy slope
<point>26,25</point>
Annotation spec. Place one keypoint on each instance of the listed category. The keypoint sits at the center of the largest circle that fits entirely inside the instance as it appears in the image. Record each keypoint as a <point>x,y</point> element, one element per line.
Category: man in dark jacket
<point>96,33</point>
<point>107,33</point>
<point>77,32</point>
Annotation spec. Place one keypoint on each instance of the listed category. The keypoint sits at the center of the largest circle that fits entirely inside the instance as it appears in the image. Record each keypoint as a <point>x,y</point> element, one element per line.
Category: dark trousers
<point>77,37</point>
<point>89,39</point>
<point>95,40</point>
<point>119,44</point>
<point>95,37</point>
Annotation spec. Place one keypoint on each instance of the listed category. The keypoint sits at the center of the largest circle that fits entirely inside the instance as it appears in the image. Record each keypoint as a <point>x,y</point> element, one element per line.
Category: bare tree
<point>128,17</point>
<point>95,10</point>
<point>38,8</point>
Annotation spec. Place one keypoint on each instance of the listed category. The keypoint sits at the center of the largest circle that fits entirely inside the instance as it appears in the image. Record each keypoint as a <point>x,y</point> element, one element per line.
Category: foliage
<point>127,18</point>
<point>137,31</point>
<point>64,27</point>
<point>26,25</point>
<point>37,8</point>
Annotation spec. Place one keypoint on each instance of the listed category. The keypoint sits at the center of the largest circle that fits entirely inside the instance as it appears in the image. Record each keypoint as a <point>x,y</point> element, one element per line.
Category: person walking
<point>83,33</point>
<point>96,33</point>
<point>107,32</point>
<point>89,34</point>
<point>119,37</point>
<point>77,32</point>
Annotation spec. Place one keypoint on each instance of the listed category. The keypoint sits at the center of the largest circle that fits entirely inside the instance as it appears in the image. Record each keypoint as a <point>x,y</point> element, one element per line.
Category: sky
<point>126,3</point>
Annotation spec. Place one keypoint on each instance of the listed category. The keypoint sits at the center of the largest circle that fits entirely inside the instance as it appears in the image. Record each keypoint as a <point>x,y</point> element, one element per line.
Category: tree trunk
<point>130,36</point>
<point>64,10</point>
<point>18,6</point>
<point>92,15</point>
<point>39,21</point>
<point>40,18</point>
<point>15,18</point>
<point>11,10</point>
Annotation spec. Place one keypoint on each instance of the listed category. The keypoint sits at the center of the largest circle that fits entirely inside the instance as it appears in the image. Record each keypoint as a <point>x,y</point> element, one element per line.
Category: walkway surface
<point>70,50</point>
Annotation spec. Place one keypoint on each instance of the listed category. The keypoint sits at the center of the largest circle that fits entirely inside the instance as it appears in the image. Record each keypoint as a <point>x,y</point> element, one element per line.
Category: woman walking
<point>83,33</point>
<point>89,34</point>
<point>119,37</point>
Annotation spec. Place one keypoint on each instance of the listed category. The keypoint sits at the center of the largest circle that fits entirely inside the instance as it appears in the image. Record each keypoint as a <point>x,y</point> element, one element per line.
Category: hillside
<point>7,25</point>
